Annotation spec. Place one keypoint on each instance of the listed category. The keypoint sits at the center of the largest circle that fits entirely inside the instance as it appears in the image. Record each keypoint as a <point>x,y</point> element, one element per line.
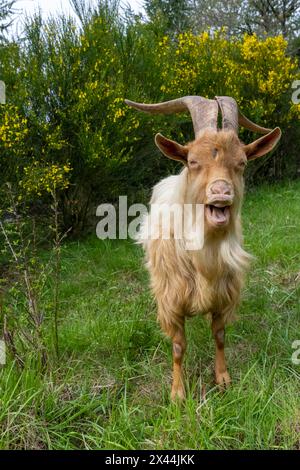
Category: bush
<point>257,73</point>
<point>66,127</point>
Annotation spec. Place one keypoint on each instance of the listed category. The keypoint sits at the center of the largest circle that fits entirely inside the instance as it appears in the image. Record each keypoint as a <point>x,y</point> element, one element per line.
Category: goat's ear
<point>263,145</point>
<point>171,149</point>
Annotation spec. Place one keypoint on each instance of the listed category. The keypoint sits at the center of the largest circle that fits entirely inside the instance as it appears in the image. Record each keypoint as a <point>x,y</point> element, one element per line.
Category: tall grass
<point>110,388</point>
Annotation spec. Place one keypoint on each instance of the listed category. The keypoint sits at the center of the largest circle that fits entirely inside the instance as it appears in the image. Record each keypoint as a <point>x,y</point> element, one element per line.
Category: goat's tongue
<point>218,214</point>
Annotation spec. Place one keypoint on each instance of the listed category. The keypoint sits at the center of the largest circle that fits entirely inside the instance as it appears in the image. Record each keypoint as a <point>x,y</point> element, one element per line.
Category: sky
<point>53,6</point>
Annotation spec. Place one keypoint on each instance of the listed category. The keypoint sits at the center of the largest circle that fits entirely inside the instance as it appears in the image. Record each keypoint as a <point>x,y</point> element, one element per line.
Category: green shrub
<point>66,126</point>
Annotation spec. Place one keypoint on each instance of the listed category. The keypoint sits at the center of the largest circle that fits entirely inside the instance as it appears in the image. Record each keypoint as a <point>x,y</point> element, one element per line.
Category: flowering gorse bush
<point>13,130</point>
<point>39,178</point>
<point>256,72</point>
<point>66,127</point>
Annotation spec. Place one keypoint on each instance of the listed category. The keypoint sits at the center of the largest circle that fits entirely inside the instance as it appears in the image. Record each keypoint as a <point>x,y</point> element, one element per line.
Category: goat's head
<point>216,159</point>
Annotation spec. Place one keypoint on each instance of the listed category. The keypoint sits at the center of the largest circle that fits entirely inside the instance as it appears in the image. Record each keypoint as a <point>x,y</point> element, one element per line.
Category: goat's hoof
<point>178,394</point>
<point>223,380</point>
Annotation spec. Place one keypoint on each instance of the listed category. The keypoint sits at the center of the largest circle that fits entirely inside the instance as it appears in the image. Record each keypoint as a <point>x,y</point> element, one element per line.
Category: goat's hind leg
<point>218,329</point>
<point>178,348</point>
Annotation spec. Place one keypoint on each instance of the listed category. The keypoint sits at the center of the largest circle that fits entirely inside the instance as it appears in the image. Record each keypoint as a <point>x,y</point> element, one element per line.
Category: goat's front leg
<point>218,329</point>
<point>179,347</point>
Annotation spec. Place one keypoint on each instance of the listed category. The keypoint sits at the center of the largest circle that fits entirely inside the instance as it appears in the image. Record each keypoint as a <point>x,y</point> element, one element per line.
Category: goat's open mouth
<point>217,214</point>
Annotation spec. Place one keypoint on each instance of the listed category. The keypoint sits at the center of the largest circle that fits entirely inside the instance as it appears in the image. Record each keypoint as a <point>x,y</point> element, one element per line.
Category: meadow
<point>110,387</point>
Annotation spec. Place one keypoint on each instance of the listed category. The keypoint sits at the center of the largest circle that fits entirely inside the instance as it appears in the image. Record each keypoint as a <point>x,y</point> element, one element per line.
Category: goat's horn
<point>229,111</point>
<point>245,122</point>
<point>232,117</point>
<point>204,112</point>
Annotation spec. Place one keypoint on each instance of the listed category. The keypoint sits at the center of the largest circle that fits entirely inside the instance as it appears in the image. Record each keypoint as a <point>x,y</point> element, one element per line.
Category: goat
<point>208,280</point>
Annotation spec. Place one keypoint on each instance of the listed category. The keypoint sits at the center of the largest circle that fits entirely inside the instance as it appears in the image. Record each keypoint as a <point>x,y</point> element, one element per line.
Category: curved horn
<point>232,117</point>
<point>204,112</point>
<point>245,122</point>
<point>229,111</point>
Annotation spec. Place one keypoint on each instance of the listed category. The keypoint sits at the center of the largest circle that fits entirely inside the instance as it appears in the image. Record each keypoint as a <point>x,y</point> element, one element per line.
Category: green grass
<point>111,386</point>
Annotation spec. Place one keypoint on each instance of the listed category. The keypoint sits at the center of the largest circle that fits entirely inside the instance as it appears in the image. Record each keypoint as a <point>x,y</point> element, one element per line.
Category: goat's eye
<point>194,164</point>
<point>214,152</point>
<point>241,165</point>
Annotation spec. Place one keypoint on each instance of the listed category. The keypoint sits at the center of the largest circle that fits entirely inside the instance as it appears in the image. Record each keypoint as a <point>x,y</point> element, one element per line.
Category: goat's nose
<point>221,187</point>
